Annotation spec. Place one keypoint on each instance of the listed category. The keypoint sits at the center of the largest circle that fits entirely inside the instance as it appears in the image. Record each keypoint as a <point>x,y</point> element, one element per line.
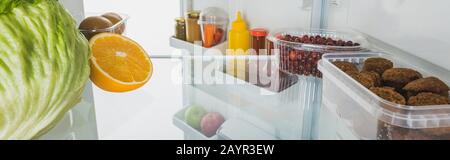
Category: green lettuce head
<point>43,66</point>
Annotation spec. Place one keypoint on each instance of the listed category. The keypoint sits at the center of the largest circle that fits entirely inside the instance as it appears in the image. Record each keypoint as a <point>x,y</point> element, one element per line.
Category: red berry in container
<point>292,56</point>
<point>340,43</point>
<point>349,43</point>
<point>305,38</point>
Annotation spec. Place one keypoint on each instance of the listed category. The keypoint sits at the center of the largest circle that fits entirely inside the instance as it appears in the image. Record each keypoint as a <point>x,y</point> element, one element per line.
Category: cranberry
<point>349,43</point>
<point>323,40</point>
<point>287,37</point>
<point>318,37</point>
<point>299,56</point>
<point>308,41</point>
<point>340,43</point>
<point>293,56</point>
<point>305,37</point>
<point>329,40</point>
<point>313,41</point>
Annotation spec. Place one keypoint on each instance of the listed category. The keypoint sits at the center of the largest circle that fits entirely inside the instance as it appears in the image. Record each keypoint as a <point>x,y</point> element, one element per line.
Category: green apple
<point>193,116</point>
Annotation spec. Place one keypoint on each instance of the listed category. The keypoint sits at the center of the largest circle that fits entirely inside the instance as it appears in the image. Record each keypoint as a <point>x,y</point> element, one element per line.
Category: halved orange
<point>118,64</point>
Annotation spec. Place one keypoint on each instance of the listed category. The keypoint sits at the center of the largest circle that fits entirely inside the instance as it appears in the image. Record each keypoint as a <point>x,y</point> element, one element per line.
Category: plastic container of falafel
<point>301,49</point>
<point>410,101</point>
<point>96,23</point>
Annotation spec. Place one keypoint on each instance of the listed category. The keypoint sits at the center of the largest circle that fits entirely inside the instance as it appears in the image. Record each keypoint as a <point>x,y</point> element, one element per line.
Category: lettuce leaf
<point>43,66</point>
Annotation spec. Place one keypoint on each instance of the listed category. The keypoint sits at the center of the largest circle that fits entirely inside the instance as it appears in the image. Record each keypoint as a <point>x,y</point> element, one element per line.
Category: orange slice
<point>118,64</point>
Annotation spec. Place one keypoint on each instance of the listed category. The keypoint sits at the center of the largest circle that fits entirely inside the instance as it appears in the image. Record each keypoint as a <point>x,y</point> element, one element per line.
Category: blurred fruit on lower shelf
<point>210,123</point>
<point>193,116</point>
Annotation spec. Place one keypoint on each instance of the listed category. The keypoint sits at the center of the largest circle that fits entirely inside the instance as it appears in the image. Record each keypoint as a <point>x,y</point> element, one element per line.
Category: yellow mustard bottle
<point>238,44</point>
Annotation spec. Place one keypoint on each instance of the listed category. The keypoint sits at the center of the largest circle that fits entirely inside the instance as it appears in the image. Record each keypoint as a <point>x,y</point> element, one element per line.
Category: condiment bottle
<point>193,33</point>
<point>180,29</point>
<point>238,44</point>
<point>239,36</point>
<point>258,44</point>
<point>258,40</point>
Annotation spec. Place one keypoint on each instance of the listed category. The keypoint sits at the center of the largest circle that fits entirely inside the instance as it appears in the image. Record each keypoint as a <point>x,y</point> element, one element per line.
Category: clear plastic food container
<point>364,115</point>
<point>118,27</point>
<point>213,23</point>
<point>301,49</point>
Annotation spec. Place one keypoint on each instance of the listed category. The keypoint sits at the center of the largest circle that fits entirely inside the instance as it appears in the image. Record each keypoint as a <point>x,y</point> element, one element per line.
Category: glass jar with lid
<point>180,28</point>
<point>193,33</point>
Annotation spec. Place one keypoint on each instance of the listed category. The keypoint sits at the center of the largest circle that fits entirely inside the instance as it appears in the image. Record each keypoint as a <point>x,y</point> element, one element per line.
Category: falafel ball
<point>364,79</point>
<point>374,76</point>
<point>378,65</point>
<point>389,95</point>
<point>399,77</point>
<point>430,84</point>
<point>346,67</point>
<point>428,99</point>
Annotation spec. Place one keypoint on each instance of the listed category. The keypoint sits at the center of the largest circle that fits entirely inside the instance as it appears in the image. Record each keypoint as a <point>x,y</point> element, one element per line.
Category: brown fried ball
<point>399,77</point>
<point>428,99</point>
<point>374,76</point>
<point>346,67</point>
<point>389,95</point>
<point>378,65</point>
<point>430,84</point>
<point>364,79</point>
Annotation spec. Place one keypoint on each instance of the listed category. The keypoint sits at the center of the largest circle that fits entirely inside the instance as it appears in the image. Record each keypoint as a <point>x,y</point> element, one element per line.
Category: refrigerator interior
<point>80,122</point>
<point>269,14</point>
<point>413,26</point>
<point>252,112</point>
<point>377,20</point>
<point>409,30</point>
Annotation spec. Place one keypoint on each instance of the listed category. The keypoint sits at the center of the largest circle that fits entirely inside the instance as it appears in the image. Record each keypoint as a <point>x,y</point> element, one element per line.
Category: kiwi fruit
<point>94,23</point>
<point>115,19</point>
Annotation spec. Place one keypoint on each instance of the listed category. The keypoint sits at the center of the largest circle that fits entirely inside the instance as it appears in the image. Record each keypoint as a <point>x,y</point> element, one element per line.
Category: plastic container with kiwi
<point>96,23</point>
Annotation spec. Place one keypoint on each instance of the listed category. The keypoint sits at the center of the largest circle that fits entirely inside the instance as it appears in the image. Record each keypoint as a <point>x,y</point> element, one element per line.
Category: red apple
<point>211,122</point>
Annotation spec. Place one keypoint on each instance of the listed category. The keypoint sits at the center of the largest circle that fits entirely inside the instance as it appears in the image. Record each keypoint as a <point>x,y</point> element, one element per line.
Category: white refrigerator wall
<point>418,27</point>
<point>270,14</point>
<point>75,7</point>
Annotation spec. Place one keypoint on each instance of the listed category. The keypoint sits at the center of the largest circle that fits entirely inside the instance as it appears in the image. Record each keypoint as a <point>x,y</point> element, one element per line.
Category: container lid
<point>294,38</point>
<point>259,32</point>
<point>213,15</point>
<point>193,14</point>
<point>180,20</point>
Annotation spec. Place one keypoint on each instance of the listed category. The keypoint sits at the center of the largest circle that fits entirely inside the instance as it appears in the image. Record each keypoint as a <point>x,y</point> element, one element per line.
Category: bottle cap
<point>239,24</point>
<point>259,32</point>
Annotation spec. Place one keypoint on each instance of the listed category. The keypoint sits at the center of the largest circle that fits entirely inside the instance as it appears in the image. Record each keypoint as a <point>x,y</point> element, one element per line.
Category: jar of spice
<point>193,31</point>
<point>258,39</point>
<point>180,29</point>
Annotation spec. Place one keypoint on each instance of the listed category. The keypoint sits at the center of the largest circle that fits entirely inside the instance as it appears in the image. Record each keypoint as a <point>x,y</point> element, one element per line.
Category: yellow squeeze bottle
<point>238,44</point>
